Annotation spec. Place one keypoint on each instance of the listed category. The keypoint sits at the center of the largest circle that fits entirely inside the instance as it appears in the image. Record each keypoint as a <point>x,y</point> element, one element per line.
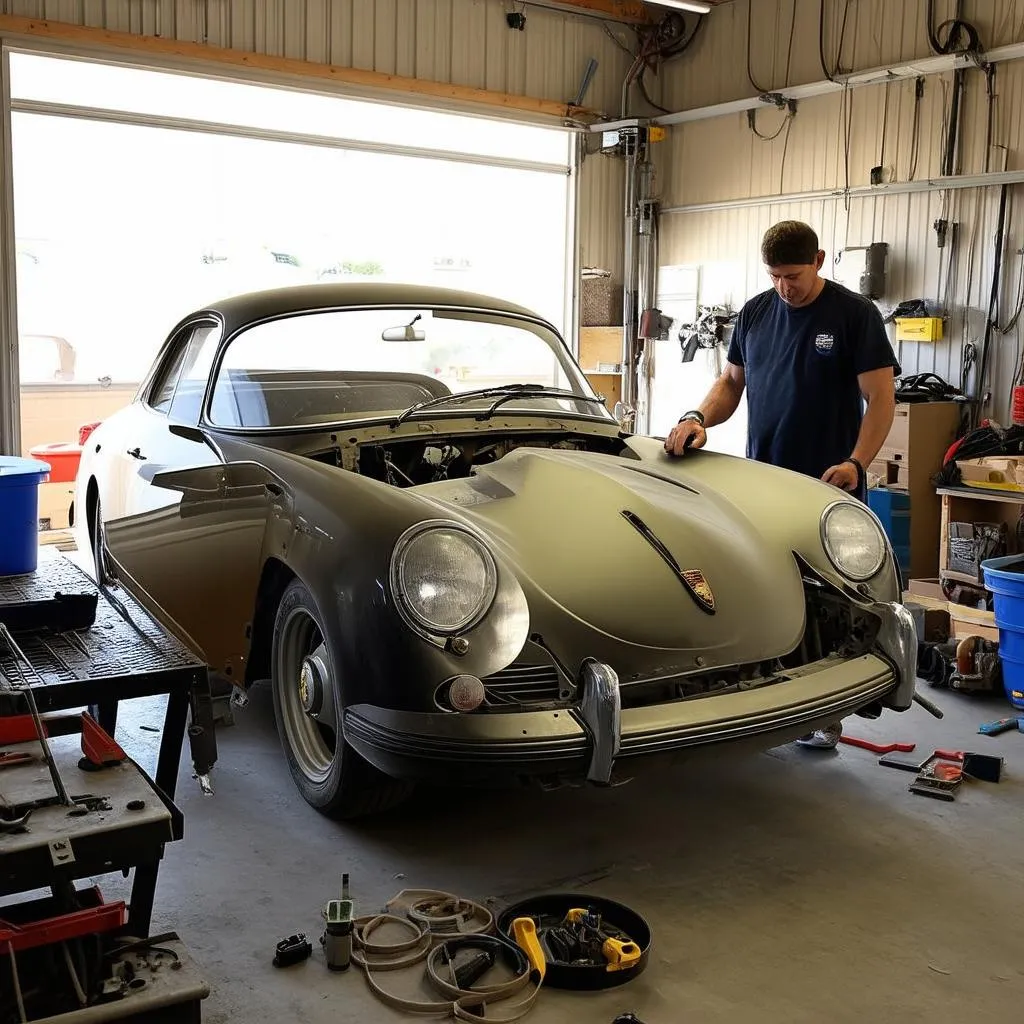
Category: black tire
<point>328,773</point>
<point>102,572</point>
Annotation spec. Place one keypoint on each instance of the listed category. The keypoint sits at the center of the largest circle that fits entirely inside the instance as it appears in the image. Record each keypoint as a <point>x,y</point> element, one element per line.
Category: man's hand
<point>844,476</point>
<point>688,434</point>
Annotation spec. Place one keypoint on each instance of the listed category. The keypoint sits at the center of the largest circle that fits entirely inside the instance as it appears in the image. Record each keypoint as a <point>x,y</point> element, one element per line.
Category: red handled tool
<point>878,748</point>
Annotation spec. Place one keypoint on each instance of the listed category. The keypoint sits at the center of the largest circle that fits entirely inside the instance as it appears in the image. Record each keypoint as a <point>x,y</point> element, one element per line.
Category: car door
<point>192,545</point>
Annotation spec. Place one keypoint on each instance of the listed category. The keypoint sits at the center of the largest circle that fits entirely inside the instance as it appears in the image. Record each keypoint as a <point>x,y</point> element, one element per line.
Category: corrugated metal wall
<point>722,159</point>
<point>465,42</point>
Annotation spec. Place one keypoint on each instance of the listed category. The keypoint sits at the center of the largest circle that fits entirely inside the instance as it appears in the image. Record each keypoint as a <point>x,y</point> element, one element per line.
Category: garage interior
<point>611,166</point>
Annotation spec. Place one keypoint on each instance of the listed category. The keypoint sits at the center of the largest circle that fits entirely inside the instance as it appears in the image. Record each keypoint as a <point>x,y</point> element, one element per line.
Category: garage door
<point>141,194</point>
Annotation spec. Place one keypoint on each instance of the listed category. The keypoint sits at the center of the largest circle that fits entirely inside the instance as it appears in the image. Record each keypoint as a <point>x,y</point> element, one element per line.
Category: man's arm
<point>879,390</point>
<point>720,403</point>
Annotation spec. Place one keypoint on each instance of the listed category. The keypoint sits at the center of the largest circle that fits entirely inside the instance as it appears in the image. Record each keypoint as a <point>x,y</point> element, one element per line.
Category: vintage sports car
<point>408,510</point>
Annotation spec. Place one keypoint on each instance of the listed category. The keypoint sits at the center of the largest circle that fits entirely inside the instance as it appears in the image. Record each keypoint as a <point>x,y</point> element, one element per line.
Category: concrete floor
<point>789,886</point>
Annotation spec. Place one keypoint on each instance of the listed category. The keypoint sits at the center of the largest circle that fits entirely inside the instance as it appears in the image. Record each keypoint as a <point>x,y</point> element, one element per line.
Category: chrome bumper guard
<point>599,710</point>
<point>897,640</point>
<point>600,713</point>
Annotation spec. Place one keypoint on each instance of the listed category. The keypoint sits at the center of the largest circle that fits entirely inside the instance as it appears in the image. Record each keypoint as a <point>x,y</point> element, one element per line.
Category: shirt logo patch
<point>824,343</point>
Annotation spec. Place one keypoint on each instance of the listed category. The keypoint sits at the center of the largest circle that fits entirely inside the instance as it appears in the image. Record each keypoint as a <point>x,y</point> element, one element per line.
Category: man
<point>809,353</point>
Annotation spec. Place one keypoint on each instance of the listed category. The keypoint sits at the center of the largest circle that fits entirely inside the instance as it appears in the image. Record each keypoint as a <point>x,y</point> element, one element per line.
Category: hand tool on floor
<point>13,757</point>
<point>292,950</point>
<point>524,930</point>
<point>905,764</point>
<point>337,936</point>
<point>877,748</point>
<point>618,952</point>
<point>998,726</point>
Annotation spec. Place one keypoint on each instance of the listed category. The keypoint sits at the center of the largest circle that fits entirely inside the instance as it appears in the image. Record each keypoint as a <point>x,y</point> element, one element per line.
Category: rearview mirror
<point>406,333</point>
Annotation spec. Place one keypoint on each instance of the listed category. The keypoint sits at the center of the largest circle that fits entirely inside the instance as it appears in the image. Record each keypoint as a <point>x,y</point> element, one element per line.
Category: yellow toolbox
<point>919,328</point>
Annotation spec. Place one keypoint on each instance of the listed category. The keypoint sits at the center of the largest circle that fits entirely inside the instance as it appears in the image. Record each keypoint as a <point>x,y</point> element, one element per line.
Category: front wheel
<point>308,706</point>
<point>100,558</point>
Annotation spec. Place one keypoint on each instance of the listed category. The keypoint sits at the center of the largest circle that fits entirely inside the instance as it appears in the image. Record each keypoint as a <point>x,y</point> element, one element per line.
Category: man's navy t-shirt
<point>804,406</point>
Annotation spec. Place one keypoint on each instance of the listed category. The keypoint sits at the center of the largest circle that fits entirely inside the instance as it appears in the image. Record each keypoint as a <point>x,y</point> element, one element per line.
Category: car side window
<point>163,388</point>
<point>199,355</point>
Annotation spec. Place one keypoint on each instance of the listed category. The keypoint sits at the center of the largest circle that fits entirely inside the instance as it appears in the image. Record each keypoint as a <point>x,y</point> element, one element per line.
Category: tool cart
<point>74,806</point>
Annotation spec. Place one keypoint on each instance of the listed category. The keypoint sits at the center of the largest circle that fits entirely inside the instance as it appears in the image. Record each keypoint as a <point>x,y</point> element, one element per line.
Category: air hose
<point>439,925</point>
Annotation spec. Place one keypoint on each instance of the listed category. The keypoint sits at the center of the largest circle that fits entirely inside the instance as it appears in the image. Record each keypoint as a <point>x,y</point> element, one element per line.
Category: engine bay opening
<point>410,462</point>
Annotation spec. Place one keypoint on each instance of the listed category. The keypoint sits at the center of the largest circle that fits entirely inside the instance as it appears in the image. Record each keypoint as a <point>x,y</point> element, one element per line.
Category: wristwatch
<point>694,414</point>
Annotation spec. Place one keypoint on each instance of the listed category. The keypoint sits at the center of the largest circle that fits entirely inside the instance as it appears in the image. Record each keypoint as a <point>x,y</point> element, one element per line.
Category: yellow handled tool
<point>524,930</point>
<point>620,955</point>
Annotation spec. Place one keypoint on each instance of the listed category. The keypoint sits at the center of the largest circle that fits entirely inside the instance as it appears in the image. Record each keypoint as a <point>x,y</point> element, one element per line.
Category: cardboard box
<point>964,622</point>
<point>932,623</point>
<point>926,588</point>
<point>994,472</point>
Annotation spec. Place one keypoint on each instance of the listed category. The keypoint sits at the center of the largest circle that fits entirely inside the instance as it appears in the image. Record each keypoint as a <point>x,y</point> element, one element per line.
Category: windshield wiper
<point>531,390</point>
<point>506,392</point>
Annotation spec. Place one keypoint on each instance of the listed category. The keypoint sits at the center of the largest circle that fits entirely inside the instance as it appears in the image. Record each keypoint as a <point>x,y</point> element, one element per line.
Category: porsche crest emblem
<point>700,589</point>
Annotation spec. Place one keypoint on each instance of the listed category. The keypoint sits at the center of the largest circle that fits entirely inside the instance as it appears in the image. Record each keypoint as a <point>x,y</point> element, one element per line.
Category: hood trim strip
<point>682,575</point>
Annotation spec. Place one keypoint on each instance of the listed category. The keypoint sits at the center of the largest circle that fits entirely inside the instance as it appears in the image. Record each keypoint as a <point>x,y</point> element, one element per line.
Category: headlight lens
<point>853,540</point>
<point>444,578</point>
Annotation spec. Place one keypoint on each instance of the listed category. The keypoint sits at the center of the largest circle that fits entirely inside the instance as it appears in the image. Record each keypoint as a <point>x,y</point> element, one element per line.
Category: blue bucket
<point>1005,578</point>
<point>19,513</point>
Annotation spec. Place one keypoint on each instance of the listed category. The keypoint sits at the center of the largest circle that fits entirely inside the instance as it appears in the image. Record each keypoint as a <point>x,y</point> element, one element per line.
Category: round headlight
<point>853,540</point>
<point>444,578</point>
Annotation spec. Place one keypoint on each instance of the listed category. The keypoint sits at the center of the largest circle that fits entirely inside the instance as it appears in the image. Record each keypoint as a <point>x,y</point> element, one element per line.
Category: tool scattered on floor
<point>457,942</point>
<point>877,748</point>
<point>986,767</point>
<point>1000,725</point>
<point>906,764</point>
<point>588,942</point>
<point>292,950</point>
<point>337,936</point>
<point>938,781</point>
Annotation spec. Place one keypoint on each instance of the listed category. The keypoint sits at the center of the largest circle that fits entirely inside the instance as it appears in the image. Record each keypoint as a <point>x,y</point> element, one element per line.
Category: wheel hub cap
<point>312,676</point>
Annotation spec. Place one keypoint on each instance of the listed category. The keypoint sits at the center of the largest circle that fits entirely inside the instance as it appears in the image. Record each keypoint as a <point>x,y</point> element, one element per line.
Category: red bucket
<point>63,459</point>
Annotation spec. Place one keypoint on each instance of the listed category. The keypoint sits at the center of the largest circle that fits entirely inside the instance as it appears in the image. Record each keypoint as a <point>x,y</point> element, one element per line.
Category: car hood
<point>602,546</point>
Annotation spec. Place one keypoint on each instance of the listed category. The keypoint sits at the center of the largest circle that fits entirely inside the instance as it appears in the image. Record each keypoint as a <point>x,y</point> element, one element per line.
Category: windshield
<point>329,366</point>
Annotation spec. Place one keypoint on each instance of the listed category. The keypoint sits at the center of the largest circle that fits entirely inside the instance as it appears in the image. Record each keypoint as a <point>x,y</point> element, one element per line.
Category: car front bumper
<point>579,743</point>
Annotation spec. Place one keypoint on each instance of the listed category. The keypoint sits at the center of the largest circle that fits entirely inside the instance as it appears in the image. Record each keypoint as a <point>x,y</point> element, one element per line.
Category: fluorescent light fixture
<point>683,5</point>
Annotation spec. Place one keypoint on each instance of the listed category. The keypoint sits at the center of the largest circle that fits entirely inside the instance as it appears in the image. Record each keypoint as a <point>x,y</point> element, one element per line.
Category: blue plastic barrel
<point>1005,578</point>
<point>19,513</point>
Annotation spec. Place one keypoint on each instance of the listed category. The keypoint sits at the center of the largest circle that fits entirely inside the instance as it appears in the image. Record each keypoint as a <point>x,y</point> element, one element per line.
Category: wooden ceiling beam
<point>106,41</point>
<point>632,12</point>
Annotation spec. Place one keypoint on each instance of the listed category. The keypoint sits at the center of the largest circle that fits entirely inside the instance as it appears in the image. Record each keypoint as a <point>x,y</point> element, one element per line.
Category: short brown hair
<point>789,242</point>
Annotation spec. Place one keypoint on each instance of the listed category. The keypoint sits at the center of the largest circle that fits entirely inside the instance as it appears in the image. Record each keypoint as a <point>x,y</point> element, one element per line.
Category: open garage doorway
<point>140,195</point>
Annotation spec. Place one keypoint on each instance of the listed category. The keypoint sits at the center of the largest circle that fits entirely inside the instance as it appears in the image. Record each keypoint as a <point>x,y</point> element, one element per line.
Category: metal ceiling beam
<point>632,12</point>
<point>895,188</point>
<point>854,80</point>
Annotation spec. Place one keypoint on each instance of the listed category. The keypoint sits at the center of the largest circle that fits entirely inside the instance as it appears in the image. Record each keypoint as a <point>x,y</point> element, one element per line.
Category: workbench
<point>117,817</point>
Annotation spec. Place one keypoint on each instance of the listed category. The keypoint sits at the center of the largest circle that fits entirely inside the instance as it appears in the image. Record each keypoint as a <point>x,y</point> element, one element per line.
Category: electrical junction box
<point>919,328</point>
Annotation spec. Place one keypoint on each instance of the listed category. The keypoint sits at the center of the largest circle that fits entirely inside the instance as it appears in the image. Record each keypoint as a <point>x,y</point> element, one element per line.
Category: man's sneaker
<point>825,739</point>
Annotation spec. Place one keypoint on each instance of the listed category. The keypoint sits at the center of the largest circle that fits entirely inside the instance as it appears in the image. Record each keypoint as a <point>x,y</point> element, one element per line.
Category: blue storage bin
<point>1005,578</point>
<point>19,513</point>
<point>893,511</point>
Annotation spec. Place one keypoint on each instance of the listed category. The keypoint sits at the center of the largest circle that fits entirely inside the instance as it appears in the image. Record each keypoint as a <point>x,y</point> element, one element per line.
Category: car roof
<point>239,310</point>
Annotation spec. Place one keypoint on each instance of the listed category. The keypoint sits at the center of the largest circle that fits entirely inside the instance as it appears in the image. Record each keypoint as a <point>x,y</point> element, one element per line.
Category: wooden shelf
<point>960,577</point>
<point>983,494</point>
